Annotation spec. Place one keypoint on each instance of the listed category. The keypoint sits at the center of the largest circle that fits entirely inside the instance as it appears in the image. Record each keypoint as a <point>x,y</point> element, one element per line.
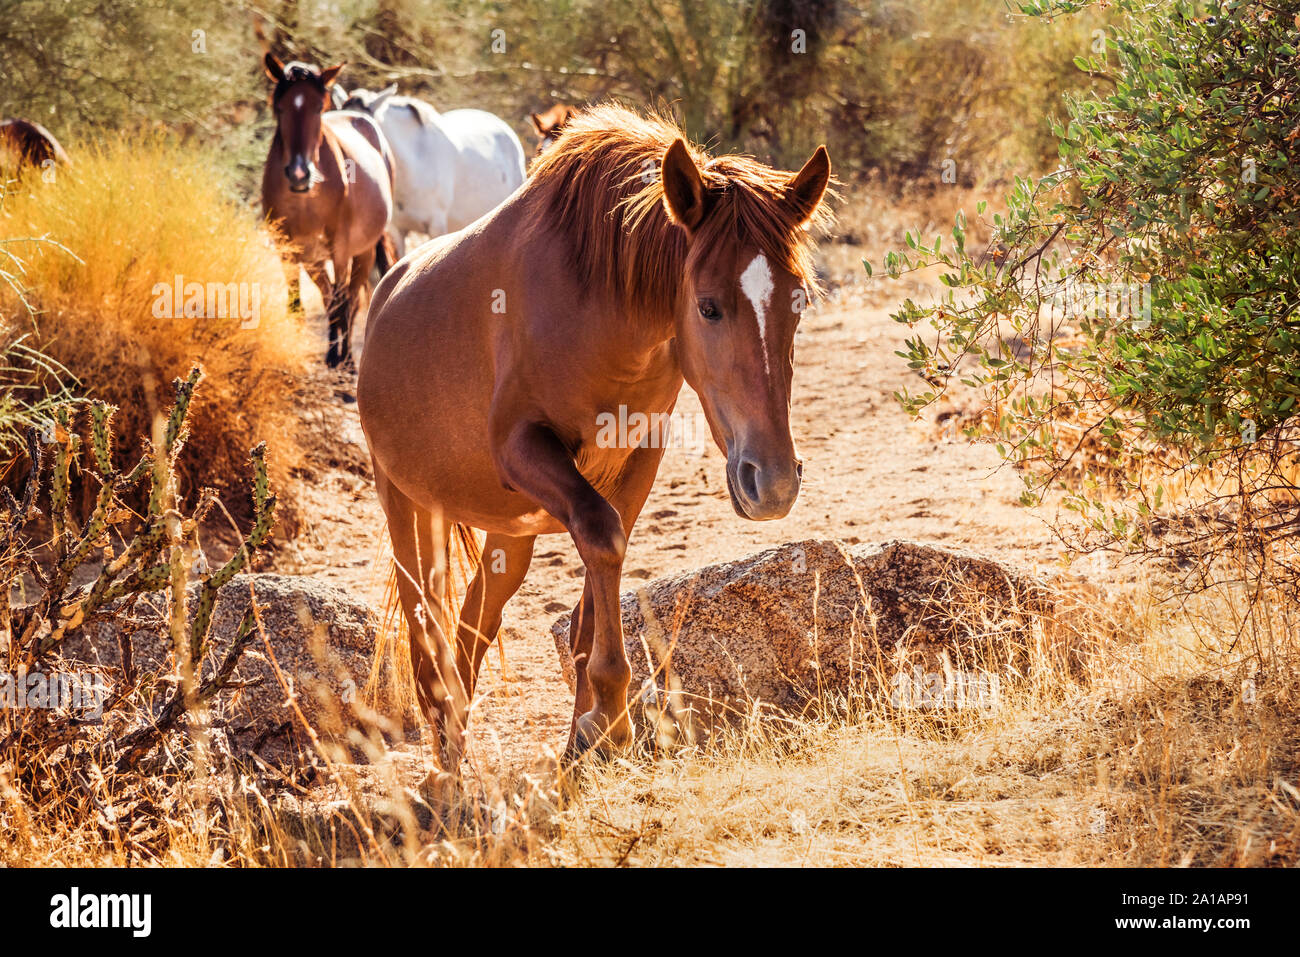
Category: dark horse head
<point>301,95</point>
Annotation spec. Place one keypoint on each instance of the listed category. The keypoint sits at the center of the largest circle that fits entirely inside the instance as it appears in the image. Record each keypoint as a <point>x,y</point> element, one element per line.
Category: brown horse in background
<point>328,189</point>
<point>33,144</point>
<point>549,124</point>
<point>628,262</point>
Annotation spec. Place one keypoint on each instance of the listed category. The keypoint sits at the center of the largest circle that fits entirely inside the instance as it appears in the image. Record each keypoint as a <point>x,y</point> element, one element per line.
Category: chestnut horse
<point>550,124</point>
<point>328,189</point>
<point>628,262</point>
<point>32,143</point>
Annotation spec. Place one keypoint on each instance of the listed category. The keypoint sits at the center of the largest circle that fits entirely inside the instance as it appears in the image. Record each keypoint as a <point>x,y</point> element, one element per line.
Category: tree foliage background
<point>896,86</point>
<point>1177,182</point>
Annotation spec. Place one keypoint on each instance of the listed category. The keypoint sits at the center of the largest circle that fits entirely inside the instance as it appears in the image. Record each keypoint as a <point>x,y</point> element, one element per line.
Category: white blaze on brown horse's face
<point>735,336</point>
<point>756,284</point>
<point>301,95</point>
<point>736,346</point>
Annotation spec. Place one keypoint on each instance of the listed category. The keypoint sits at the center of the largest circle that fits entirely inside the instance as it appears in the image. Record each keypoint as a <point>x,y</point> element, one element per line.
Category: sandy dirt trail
<point>870,474</point>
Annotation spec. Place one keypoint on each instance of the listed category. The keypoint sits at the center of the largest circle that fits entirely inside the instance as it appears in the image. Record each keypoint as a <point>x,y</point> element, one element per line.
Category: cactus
<point>152,559</point>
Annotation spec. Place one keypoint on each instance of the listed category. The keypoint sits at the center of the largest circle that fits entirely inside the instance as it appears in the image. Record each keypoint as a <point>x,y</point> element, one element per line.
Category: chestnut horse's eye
<point>709,310</point>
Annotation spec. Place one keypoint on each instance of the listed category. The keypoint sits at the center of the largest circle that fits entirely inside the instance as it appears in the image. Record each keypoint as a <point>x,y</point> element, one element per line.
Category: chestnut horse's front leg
<point>638,478</point>
<point>339,312</point>
<point>334,298</point>
<point>533,461</point>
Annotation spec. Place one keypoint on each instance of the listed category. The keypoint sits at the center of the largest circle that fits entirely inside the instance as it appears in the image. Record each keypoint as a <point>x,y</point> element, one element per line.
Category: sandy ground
<point>870,475</point>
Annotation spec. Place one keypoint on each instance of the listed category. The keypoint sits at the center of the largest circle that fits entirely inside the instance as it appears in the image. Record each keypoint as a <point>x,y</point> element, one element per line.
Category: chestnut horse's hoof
<point>343,363</point>
<point>592,737</point>
<point>441,790</point>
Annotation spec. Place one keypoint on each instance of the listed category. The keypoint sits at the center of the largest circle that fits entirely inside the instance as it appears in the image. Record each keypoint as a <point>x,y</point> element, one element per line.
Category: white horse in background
<point>451,167</point>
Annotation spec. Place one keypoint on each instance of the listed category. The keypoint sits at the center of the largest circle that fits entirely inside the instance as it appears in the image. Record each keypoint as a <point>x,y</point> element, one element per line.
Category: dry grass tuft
<point>96,247</point>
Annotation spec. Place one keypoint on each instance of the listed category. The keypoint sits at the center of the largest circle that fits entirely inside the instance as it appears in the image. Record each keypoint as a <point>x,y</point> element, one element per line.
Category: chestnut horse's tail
<point>385,253</point>
<point>392,661</point>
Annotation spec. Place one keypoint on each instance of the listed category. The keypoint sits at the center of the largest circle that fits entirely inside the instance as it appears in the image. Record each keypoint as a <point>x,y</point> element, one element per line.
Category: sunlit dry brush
<point>98,250</point>
<point>90,756</point>
<point>1172,743</point>
<point>1169,737</point>
<point>1199,733</point>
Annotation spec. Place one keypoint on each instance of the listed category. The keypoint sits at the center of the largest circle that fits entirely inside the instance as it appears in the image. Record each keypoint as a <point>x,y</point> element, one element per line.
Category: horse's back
<point>486,136</point>
<point>452,167</point>
<point>364,144</point>
<point>491,162</point>
<point>369,178</point>
<point>368,130</point>
<point>33,142</point>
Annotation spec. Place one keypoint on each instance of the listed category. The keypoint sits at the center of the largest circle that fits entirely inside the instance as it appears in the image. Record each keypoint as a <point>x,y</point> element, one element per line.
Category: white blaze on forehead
<point>756,283</point>
<point>297,102</point>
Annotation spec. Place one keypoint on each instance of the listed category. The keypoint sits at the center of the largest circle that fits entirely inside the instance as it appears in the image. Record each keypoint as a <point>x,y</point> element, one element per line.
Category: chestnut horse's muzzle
<point>762,491</point>
<point>299,174</point>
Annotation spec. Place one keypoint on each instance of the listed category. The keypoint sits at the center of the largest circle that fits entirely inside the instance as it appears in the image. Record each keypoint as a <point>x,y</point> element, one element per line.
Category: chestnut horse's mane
<point>600,181</point>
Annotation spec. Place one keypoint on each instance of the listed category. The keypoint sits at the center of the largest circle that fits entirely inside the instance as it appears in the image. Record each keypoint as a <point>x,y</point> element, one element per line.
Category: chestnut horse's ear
<point>809,184</point>
<point>536,120</point>
<point>274,68</point>
<point>330,74</point>
<point>683,187</point>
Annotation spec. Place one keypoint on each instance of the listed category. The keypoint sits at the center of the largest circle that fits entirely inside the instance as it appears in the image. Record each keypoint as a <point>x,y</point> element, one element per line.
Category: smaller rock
<point>322,639</point>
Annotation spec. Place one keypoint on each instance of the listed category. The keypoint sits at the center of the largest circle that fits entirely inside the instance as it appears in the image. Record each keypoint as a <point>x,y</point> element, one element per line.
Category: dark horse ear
<point>683,187</point>
<point>809,184</point>
<point>536,120</point>
<point>330,74</point>
<point>274,68</point>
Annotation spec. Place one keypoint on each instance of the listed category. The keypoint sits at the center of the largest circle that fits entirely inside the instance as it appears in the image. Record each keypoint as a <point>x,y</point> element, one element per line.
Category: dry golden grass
<point>93,247</point>
<point>1178,744</point>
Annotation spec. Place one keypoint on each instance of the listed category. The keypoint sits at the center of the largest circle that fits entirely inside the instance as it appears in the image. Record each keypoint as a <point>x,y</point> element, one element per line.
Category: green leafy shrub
<point>1134,324</point>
